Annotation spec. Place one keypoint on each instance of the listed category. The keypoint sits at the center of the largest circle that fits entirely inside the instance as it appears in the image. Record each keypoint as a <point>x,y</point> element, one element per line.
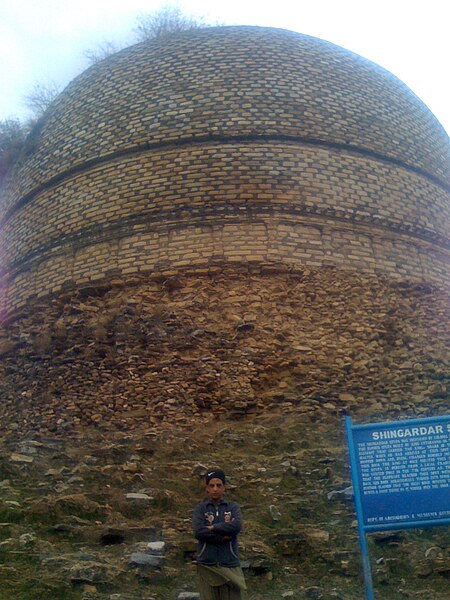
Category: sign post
<point>401,477</point>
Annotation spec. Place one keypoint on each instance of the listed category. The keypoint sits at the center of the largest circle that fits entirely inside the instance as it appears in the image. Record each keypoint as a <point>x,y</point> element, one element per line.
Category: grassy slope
<point>290,460</point>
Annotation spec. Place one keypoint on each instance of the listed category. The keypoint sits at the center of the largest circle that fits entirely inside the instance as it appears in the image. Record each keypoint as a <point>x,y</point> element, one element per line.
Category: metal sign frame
<point>415,442</point>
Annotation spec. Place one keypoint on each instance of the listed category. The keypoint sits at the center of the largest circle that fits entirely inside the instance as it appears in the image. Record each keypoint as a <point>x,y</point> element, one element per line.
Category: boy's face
<point>215,488</point>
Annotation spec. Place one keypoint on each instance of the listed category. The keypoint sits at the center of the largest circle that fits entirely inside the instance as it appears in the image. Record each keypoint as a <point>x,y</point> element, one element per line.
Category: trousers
<point>221,583</point>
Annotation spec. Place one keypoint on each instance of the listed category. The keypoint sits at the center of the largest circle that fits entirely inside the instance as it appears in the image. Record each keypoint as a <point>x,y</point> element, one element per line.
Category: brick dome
<point>232,144</point>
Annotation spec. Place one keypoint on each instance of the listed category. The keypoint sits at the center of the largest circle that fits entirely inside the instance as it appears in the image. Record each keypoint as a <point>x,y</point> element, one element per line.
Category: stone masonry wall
<point>231,145</point>
<point>198,205</point>
<point>184,348</point>
<point>231,82</point>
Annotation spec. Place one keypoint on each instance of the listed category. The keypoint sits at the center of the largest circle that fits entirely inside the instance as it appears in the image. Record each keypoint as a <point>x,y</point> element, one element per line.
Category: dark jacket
<point>217,546</point>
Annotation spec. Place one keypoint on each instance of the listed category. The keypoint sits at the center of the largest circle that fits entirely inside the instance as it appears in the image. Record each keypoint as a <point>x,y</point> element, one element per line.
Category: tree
<point>12,139</point>
<point>101,52</point>
<point>13,132</point>
<point>164,21</point>
<point>40,98</point>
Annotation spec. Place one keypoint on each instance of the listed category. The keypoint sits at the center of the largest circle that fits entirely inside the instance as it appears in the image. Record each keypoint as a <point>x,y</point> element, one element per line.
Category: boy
<point>216,524</point>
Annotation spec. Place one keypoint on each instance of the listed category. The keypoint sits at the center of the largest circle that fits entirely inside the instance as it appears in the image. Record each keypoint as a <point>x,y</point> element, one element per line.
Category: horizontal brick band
<point>214,180</point>
<point>223,143</point>
<point>293,245</point>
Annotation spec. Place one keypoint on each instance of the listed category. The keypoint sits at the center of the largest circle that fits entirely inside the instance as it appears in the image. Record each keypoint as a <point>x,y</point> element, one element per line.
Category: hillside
<point>76,513</point>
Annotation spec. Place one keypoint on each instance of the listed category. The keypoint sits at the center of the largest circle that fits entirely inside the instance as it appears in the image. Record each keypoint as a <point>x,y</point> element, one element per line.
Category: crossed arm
<point>218,532</point>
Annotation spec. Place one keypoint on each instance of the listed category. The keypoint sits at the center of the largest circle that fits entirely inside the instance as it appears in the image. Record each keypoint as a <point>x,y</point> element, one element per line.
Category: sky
<point>45,41</point>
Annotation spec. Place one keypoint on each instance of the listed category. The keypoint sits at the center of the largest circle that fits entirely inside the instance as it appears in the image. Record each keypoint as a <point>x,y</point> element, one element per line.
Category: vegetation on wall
<point>12,138</point>
<point>164,21</point>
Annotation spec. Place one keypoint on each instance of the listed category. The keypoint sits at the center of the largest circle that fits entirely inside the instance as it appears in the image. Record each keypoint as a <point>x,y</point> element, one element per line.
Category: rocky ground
<point>108,516</point>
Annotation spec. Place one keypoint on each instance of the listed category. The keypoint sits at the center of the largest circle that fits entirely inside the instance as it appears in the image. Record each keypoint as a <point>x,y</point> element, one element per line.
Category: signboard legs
<point>368,582</point>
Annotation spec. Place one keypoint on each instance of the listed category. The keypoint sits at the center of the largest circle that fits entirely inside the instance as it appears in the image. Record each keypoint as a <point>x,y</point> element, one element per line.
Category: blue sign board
<point>401,476</point>
<point>403,472</point>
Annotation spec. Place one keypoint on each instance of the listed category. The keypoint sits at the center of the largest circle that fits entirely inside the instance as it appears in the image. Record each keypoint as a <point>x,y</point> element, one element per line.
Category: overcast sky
<point>44,41</point>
